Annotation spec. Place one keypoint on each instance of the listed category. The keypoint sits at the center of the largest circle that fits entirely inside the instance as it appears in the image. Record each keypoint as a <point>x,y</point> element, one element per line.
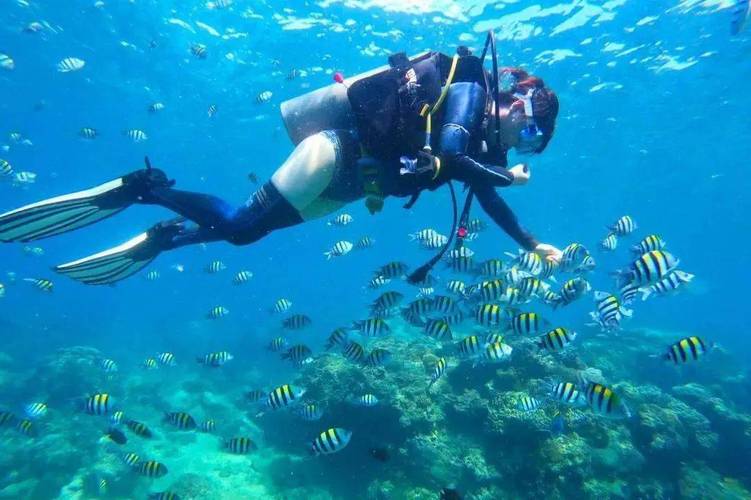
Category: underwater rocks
<point>69,373</point>
<point>699,481</point>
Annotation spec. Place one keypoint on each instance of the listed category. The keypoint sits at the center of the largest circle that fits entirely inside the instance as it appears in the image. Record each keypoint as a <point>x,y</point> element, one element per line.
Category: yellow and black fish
<point>605,402</point>
<point>131,459</point>
<point>283,396</point>
<point>299,354</point>
<point>686,350</point>
<point>26,427</point>
<point>353,352</point>
<point>469,346</point>
<point>378,357</point>
<point>556,339</point>
<point>139,429</point>
<point>438,329</point>
<point>372,327</point>
<point>208,426</point>
<point>98,404</point>
<point>152,468</point>
<point>215,359</point>
<point>330,441</point>
<point>527,323</point>
<point>489,314</point>
<point>438,370</point>
<point>297,322</point>
<point>339,337</point>
<point>240,445</point>
<point>181,420</point>
<point>41,284</point>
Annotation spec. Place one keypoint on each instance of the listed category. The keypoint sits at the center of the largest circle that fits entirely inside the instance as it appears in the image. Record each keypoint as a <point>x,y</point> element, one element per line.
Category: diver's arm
<point>501,213</point>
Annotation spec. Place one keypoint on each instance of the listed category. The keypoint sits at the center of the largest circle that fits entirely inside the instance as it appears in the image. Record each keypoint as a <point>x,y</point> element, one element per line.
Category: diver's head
<point>527,112</point>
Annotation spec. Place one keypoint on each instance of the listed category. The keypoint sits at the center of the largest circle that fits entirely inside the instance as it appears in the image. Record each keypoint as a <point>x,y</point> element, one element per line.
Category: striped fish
<point>297,322</point>
<point>609,311</point>
<point>256,395</point>
<point>88,133</point>
<point>371,327</point>
<point>167,495</point>
<point>117,417</point>
<point>264,96</point>
<point>366,400</point>
<point>493,337</point>
<point>152,276</point>
<point>420,307</point>
<point>667,285</point>
<point>392,270</point>
<point>353,352</point>
<point>6,417</point>
<point>240,445</point>
<point>490,291</point>
<point>387,300</point>
<point>549,268</point>
<point>477,225</point>
<point>309,412</point>
<point>35,410</point>
<point>364,242</point>
<point>98,404</point>
<point>41,284</point>
<point>6,170</point>
<point>489,315</point>
<point>181,420</point>
<point>131,459</point>
<point>566,392</point>
<point>211,111</point>
<point>426,291</point>
<point>136,135</point>
<point>604,402</point>
<point>330,441</point>
<point>610,242</point>
<point>648,268</point>
<point>587,265</point>
<point>217,312</point>
<point>152,468</point>
<point>423,234</point>
<point>530,287</point>
<point>150,364</point>
<point>438,329</point>
<point>497,351</point>
<point>528,404</point>
<point>340,220</point>
<point>277,344</point>
<point>299,354</point>
<point>529,262</point>
<point>166,359</point>
<point>339,337</point>
<point>512,297</point>
<point>438,370</point>
<point>686,350</point>
<point>208,426</point>
<point>156,107</point>
<point>108,366</point>
<point>282,305</point>
<point>442,304</point>
<point>649,244</point>
<point>527,323</point>
<point>572,256</point>
<point>139,429</point>
<point>283,396</point>
<point>454,319</point>
<point>556,339</point>
<point>434,241</point>
<point>70,64</point>
<point>199,50</point>
<point>628,293</point>
<point>623,226</point>
<point>378,357</point>
<point>26,427</point>
<point>215,359</point>
<point>215,267</point>
<point>339,249</point>
<point>456,286</point>
<point>572,290</point>
<point>469,346</point>
<point>378,282</point>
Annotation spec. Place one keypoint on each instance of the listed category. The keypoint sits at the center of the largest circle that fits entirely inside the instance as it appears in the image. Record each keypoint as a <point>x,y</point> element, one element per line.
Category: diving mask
<point>531,137</point>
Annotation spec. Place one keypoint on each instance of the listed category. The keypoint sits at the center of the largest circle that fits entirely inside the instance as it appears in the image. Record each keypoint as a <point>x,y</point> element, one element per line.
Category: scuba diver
<point>370,136</point>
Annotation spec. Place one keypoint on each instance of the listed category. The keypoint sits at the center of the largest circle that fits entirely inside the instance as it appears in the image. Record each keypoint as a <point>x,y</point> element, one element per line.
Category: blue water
<point>666,140</point>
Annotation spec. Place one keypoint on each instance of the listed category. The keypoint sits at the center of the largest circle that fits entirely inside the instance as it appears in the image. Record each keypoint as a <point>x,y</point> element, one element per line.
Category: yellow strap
<point>445,90</point>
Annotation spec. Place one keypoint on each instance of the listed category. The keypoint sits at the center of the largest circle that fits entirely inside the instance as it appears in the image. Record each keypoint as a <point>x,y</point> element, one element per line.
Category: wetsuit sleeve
<point>463,115</point>
<point>492,203</point>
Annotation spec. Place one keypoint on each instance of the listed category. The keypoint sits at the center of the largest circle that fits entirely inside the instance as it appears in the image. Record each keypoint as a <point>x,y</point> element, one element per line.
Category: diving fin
<point>65,213</point>
<point>116,264</point>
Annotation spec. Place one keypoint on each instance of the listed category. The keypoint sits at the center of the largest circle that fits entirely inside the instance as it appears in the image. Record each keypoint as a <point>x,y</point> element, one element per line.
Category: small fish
<point>566,392</point>
<point>497,351</point>
<point>387,300</point>
<point>366,400</point>
<point>330,441</point>
<point>489,315</point>
<point>648,244</point>
<point>648,268</point>
<point>604,402</point>
<point>339,337</point>
<point>26,427</point>
<point>532,287</point>
<point>587,265</point>
<point>103,487</point>
<point>98,404</point>
<point>218,4</point>
<point>610,242</point>
<point>240,445</point>
<point>492,290</point>
<point>88,133</point>
<point>264,96</point>
<point>156,107</point>
<point>739,12</point>
<point>456,286</point>
<point>33,27</point>
<point>166,359</point>
<point>211,111</point>
<point>152,276</point>
<point>686,350</point>
<point>371,327</point>
<point>469,346</point>
<point>512,296</point>
<point>131,459</point>
<point>256,395</point>
<point>572,290</point>
<point>353,352</point>
<point>433,242</point>
<point>549,268</point>
<point>378,357</point>
<point>282,305</point>
<point>628,293</point>
<point>181,420</point>
<point>215,359</point>
<point>252,177</point>
<point>117,417</point>
<point>283,396</point>
<point>528,404</point>
<point>529,262</point>
<point>152,468</point>
<point>341,220</point>
<point>6,170</point>
<point>527,323</point>
<point>6,62</point>
<point>299,354</point>
<point>277,344</point>
<point>493,337</point>
<point>116,436</point>
<point>667,285</point>
<point>609,311</point>
<point>136,135</point>
<point>70,64</point>
<point>41,284</point>
<point>423,235</point>
<point>215,267</point>
<point>364,242</point>
<point>21,178</point>
<point>477,226</point>
<point>293,73</point>
<point>6,417</point>
<point>150,364</point>
<point>392,270</point>
<point>35,410</point>
<point>425,291</point>
<point>556,339</point>
<point>339,249</point>
<point>139,429</point>
<point>108,366</point>
<point>623,226</point>
<point>207,426</point>
<point>378,282</point>
<point>438,370</point>
<point>166,495</point>
<point>199,51</point>
<point>309,412</point>
<point>217,312</point>
<point>297,322</point>
<point>438,329</point>
<point>572,257</point>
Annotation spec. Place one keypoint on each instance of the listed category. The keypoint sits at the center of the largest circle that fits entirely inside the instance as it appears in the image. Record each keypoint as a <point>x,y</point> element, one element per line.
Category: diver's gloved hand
<point>548,252</point>
<point>521,174</point>
<point>142,183</point>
